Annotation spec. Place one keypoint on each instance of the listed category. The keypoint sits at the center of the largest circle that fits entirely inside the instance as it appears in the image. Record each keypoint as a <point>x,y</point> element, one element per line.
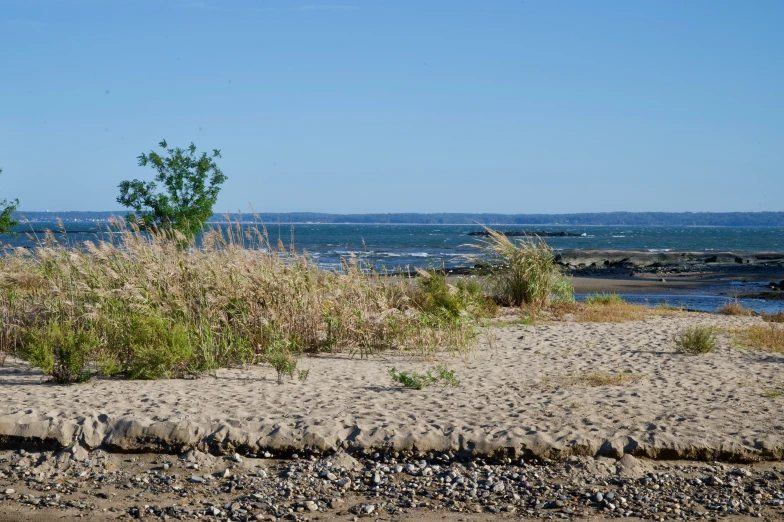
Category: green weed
<point>418,381</point>
<point>696,340</point>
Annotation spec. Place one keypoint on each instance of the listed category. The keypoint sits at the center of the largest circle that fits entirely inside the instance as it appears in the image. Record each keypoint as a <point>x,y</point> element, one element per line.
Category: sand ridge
<point>523,393</point>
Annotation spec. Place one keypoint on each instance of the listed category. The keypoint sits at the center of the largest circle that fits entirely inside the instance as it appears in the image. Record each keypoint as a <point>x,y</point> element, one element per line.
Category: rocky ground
<point>194,485</point>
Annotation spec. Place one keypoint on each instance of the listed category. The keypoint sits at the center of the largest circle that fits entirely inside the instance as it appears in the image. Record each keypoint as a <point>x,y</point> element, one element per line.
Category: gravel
<point>246,487</point>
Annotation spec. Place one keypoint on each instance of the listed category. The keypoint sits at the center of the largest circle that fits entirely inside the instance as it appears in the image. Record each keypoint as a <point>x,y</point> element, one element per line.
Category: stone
<point>632,467</point>
<point>311,506</point>
<point>79,453</point>
<point>341,459</point>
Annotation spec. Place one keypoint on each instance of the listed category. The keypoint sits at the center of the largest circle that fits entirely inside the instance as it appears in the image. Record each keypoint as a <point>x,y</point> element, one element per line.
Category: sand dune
<point>525,392</point>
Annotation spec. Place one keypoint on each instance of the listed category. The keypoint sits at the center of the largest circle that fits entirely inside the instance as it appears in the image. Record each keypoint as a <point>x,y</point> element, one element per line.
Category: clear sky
<point>400,106</point>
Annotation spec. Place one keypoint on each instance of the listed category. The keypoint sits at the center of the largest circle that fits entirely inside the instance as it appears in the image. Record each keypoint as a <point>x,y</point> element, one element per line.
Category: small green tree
<point>191,184</point>
<point>6,209</point>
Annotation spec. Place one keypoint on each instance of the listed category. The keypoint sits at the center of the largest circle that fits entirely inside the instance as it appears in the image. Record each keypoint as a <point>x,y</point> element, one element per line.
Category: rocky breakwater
<point>643,261</point>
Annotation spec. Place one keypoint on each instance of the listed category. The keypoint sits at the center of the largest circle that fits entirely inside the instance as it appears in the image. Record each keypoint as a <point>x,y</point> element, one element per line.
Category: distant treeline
<point>721,219</point>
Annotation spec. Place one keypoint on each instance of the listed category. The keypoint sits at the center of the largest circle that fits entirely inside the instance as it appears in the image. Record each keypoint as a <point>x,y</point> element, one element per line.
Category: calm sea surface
<point>392,246</point>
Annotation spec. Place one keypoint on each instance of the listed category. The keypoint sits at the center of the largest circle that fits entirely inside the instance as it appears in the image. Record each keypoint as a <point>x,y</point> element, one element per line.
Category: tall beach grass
<point>137,304</point>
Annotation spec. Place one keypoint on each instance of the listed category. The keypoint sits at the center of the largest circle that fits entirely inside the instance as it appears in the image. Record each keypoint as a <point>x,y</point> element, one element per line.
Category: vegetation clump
<point>734,308</point>
<point>769,338</point>
<point>524,273</point>
<point>6,209</point>
<point>696,340</point>
<point>440,374</point>
<point>778,317</point>
<point>601,308</point>
<point>191,184</point>
<point>60,350</point>
<point>604,299</point>
<point>151,309</point>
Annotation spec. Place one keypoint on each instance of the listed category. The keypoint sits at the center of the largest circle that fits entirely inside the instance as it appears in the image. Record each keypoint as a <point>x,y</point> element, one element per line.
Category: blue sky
<point>400,106</point>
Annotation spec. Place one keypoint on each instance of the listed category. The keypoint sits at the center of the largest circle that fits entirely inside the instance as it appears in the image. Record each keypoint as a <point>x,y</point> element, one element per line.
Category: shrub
<point>160,311</point>
<point>523,273</point>
<point>563,290</point>
<point>6,209</point>
<point>417,381</point>
<point>734,308</point>
<point>696,340</point>
<point>604,299</point>
<point>282,356</point>
<point>62,350</point>
<point>434,296</point>
<point>769,337</point>
<point>192,185</point>
<point>158,349</point>
<point>778,317</point>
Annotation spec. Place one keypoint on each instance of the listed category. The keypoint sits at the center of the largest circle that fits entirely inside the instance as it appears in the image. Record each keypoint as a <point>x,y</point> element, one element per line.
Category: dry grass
<point>696,340</point>
<point>734,308</point>
<point>597,379</point>
<point>616,312</point>
<point>778,317</point>
<point>525,273</point>
<point>769,338</point>
<point>235,300</point>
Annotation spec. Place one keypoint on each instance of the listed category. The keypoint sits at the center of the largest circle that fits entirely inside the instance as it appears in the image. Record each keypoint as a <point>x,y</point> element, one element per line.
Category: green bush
<point>62,350</point>
<point>523,273</point>
<point>696,340</point>
<point>604,299</point>
<point>437,298</point>
<point>157,348</point>
<point>282,355</point>
<point>417,381</point>
<point>563,290</point>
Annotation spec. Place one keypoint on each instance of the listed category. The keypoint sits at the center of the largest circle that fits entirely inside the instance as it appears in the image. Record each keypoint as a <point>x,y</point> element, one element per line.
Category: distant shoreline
<point>270,223</point>
<point>633,219</point>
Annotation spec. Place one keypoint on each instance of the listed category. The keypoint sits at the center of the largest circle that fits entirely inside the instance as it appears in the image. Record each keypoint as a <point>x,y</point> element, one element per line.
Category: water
<point>392,246</point>
<point>698,301</point>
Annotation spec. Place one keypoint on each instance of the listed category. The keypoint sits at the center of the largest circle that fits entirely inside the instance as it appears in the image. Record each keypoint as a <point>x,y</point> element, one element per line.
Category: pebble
<point>579,488</point>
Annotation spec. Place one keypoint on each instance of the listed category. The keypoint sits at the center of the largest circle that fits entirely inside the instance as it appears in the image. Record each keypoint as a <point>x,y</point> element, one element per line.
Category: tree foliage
<point>6,209</point>
<point>190,184</point>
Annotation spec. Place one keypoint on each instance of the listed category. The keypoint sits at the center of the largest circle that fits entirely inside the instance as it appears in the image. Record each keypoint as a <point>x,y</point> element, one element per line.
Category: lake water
<point>392,246</point>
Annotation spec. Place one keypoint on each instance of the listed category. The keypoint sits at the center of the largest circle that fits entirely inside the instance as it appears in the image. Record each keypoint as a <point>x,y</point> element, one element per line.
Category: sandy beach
<point>525,393</point>
<point>586,397</point>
